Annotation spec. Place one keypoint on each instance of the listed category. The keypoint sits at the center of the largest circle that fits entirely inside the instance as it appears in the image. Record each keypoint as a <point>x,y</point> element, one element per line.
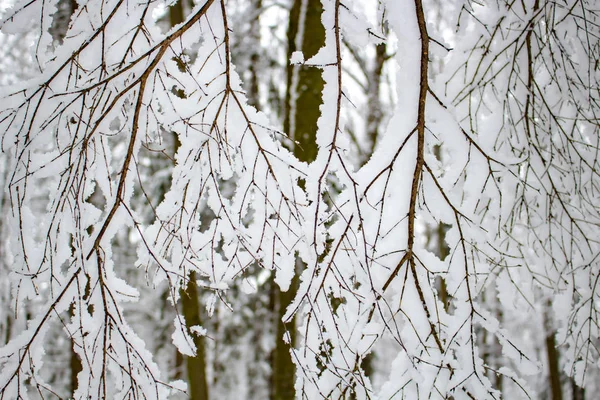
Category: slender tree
<point>499,148</point>
<point>303,99</point>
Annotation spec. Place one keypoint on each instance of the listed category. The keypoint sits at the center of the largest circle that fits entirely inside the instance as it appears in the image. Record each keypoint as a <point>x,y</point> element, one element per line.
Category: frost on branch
<point>528,91</point>
<point>370,281</point>
<point>501,148</point>
<point>75,132</point>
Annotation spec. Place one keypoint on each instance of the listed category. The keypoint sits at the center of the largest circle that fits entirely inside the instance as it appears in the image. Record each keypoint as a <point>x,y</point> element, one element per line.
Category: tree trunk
<point>254,31</point>
<point>303,98</point>
<point>74,363</point>
<point>196,366</point>
<point>190,307</point>
<point>304,83</point>
<point>61,19</point>
<point>577,393</point>
<point>375,112</point>
<point>552,354</point>
<point>58,30</point>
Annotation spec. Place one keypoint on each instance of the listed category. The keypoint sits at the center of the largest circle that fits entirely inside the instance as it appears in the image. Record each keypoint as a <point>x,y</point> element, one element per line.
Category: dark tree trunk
<point>303,99</point>
<point>196,366</point>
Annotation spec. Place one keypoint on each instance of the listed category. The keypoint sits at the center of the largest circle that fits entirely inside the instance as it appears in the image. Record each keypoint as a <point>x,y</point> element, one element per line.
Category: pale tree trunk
<point>58,31</point>
<point>62,18</point>
<point>375,111</point>
<point>436,240</point>
<point>374,121</point>
<point>303,98</point>
<point>7,325</point>
<point>529,116</point>
<point>253,92</point>
<point>74,366</point>
<point>256,378</point>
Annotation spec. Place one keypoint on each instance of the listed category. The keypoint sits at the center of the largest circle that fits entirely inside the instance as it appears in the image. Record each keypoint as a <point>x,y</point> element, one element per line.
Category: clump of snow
<point>297,57</point>
<point>198,330</point>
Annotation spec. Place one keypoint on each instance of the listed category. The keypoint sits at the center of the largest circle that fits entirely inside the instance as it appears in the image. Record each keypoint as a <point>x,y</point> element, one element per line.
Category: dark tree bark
<point>303,98</point>
<point>552,354</point>
<point>196,366</point>
<point>190,307</point>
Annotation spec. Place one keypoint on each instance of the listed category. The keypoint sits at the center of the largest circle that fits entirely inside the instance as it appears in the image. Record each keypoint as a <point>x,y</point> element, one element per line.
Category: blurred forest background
<point>516,82</point>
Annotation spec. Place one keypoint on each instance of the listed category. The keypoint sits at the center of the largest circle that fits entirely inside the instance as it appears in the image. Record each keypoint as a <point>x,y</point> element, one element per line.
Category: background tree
<point>531,76</point>
<point>302,101</point>
<point>135,133</point>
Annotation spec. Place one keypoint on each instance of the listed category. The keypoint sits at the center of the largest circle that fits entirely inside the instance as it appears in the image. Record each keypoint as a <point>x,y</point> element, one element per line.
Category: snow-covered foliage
<point>500,146</point>
<point>528,93</point>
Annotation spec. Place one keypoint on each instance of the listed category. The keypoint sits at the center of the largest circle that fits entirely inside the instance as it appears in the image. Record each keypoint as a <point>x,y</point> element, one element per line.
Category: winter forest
<point>310,199</point>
